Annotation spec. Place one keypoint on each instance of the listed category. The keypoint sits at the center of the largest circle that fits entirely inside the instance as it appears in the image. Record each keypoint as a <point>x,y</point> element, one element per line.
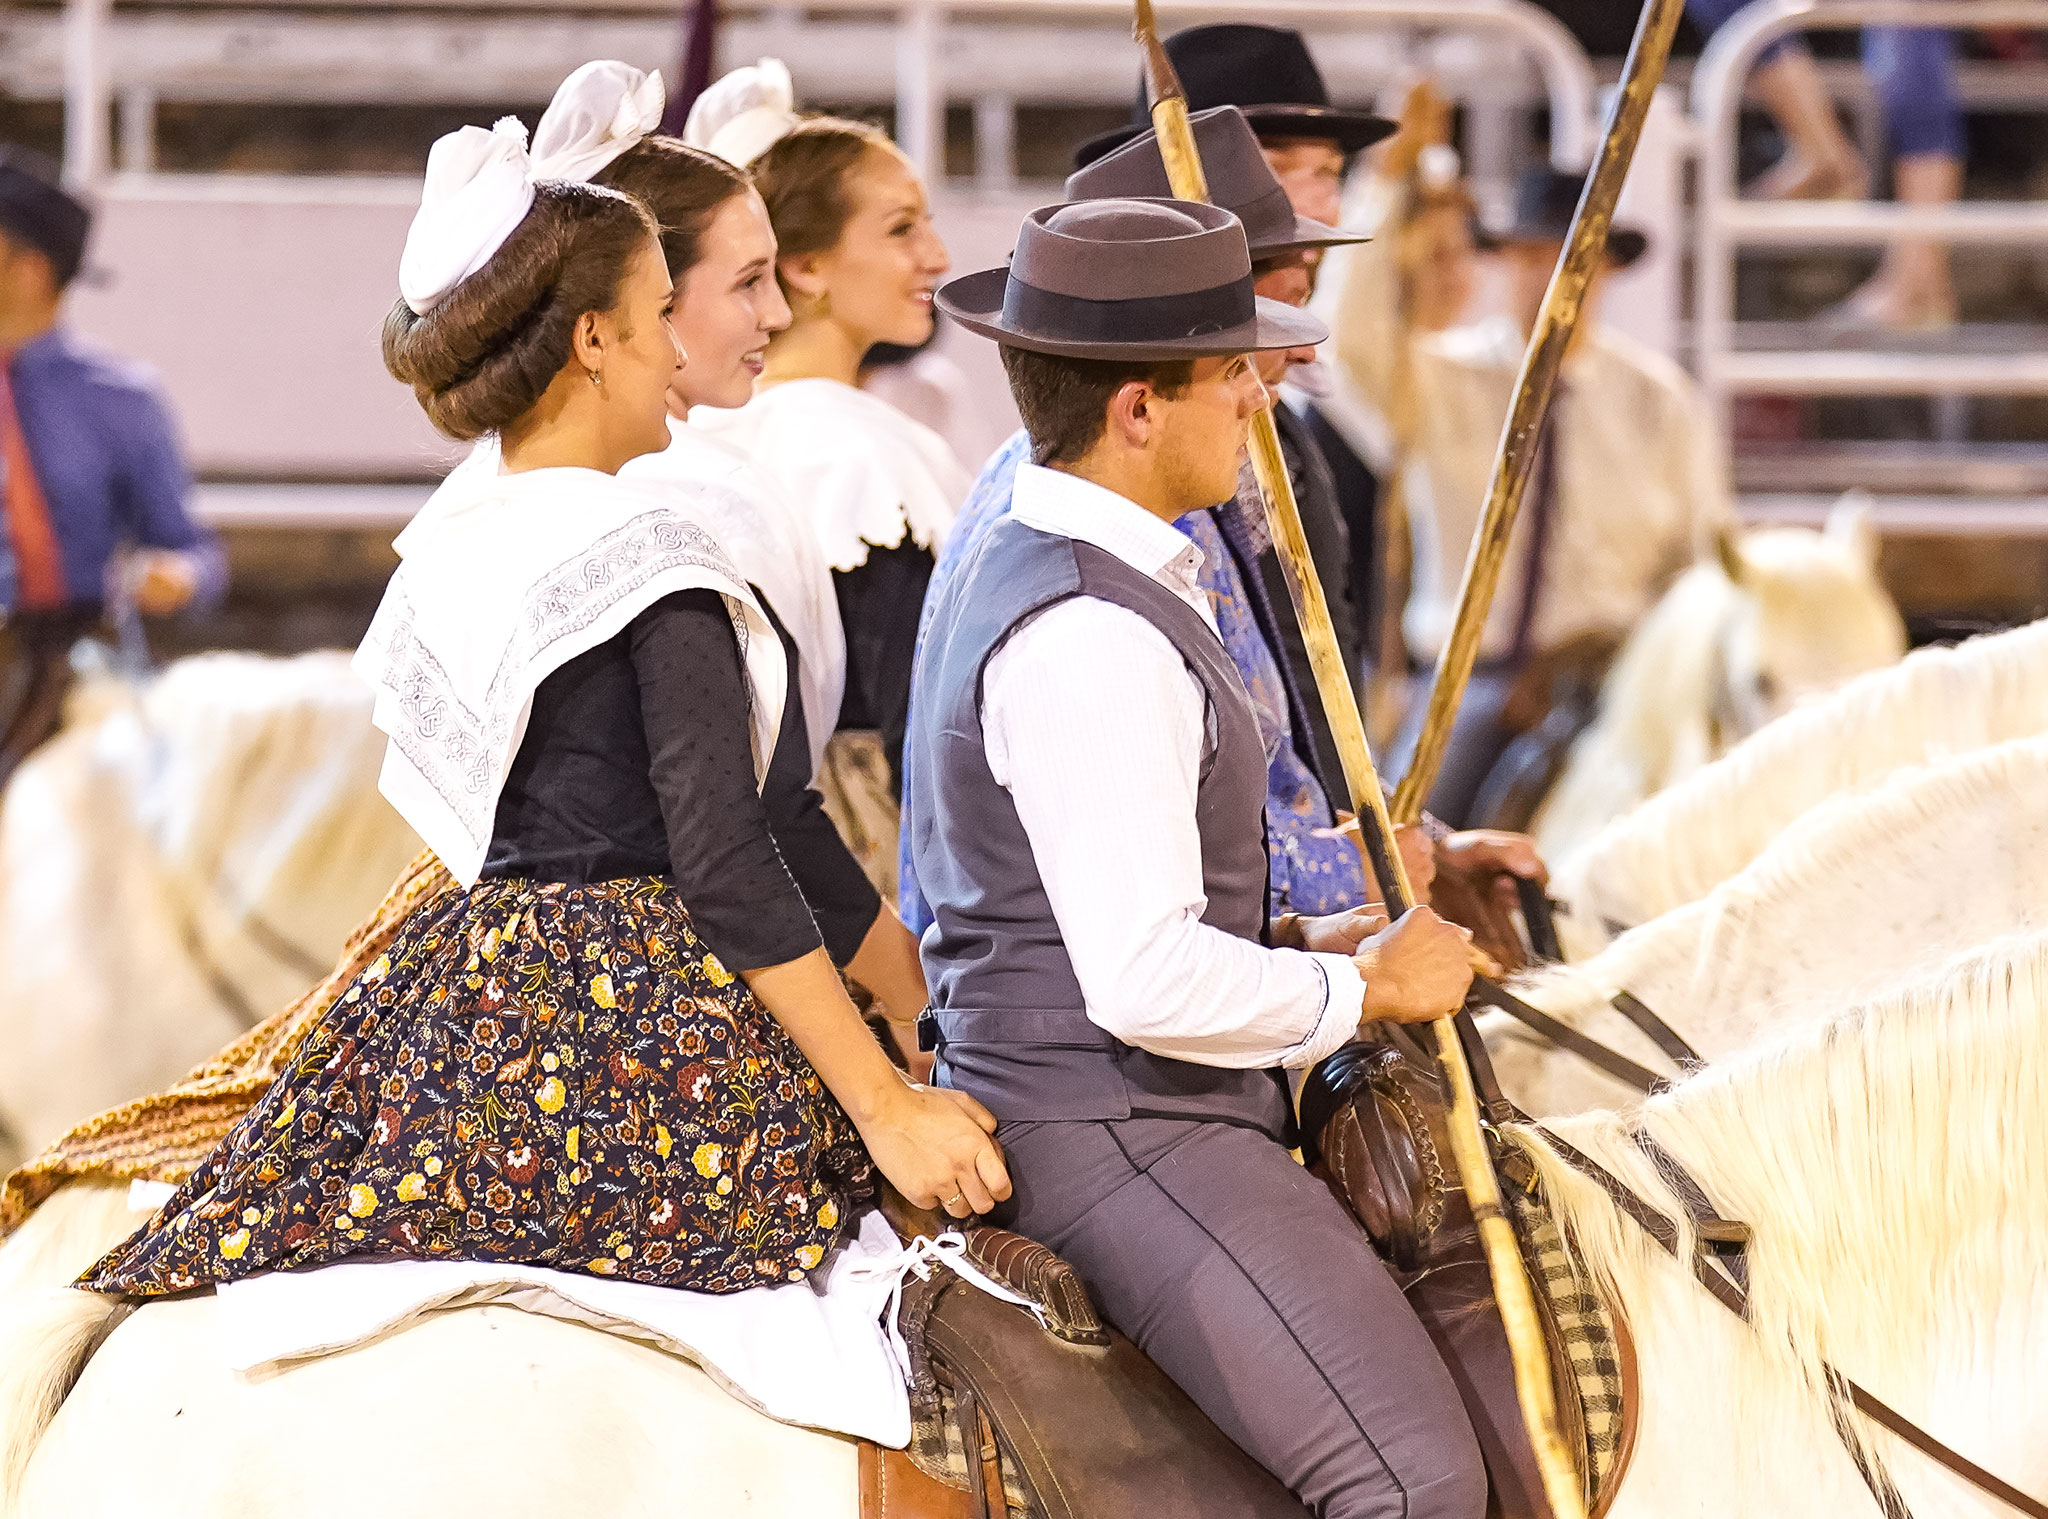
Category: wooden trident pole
<point>1468,1144</point>
<point>1585,248</point>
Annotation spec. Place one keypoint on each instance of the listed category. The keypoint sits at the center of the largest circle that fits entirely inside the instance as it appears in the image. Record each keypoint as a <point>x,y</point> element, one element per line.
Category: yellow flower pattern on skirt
<point>551,1074</point>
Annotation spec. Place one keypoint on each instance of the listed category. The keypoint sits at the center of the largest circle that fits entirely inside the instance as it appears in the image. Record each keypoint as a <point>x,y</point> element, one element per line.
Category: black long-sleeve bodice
<point>879,603</point>
<point>637,761</point>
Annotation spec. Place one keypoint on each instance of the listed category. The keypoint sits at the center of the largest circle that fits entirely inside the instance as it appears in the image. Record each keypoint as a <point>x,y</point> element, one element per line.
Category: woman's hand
<point>936,1148</point>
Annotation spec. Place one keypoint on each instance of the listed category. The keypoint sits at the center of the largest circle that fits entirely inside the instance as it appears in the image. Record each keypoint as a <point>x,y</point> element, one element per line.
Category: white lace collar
<point>502,580</point>
<point>862,472</point>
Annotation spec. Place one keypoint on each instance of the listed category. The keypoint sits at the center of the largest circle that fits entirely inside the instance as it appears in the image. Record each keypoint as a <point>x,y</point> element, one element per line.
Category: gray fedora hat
<point>1128,279</point>
<point>1240,181</point>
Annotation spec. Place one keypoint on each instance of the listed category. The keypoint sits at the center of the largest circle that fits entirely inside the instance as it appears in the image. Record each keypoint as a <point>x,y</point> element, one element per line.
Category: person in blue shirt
<point>93,487</point>
<point>1316,866</point>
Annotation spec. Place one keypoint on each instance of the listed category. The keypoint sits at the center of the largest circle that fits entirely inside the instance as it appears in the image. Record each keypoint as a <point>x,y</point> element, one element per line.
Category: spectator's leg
<point>1912,69</point>
<point>1820,162</point>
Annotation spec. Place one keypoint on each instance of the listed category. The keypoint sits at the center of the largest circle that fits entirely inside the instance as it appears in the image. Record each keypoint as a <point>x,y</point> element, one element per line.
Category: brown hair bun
<point>482,358</point>
<point>682,186</point>
<point>802,178</point>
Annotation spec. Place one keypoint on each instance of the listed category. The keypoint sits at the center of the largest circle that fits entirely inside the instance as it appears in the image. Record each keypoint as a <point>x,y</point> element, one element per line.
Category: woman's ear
<point>802,277</point>
<point>586,343</point>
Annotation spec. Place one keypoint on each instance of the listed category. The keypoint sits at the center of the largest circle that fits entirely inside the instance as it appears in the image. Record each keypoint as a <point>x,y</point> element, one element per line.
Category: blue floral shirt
<point>1312,870</point>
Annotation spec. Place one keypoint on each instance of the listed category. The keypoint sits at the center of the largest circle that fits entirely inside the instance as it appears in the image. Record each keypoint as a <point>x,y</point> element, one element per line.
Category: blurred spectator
<point>91,480</point>
<point>1912,70</point>
<point>1629,485</point>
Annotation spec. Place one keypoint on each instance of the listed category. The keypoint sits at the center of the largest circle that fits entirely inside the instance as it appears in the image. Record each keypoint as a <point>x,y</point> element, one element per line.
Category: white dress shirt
<point>1097,728</point>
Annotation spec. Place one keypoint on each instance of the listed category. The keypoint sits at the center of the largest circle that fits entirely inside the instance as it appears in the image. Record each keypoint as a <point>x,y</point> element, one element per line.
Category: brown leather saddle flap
<point>1096,1430</point>
<point>892,1486</point>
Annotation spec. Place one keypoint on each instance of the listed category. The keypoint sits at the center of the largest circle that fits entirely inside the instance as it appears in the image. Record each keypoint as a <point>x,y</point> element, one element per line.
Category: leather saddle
<point>1385,1151</point>
<point>1069,1421</point>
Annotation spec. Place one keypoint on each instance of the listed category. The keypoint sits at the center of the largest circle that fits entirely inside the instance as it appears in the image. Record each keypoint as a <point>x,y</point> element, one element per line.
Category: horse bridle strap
<point>1539,917</point>
<point>1718,1263</point>
<point>1565,1037</point>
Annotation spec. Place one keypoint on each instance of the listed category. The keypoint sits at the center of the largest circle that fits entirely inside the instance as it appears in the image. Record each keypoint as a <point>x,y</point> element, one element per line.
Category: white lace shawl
<point>770,545</point>
<point>503,579</point>
<point>862,472</point>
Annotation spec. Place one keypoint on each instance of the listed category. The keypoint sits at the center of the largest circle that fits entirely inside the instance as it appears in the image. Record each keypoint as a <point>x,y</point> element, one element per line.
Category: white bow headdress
<point>600,111</point>
<point>480,184</point>
<point>744,114</point>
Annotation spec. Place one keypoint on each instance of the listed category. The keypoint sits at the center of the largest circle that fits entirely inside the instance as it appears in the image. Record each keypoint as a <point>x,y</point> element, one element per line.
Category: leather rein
<point>1542,929</point>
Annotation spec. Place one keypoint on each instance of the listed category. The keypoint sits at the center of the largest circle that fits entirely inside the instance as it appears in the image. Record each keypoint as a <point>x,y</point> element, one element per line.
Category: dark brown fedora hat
<point>1240,181</point>
<point>1128,279</point>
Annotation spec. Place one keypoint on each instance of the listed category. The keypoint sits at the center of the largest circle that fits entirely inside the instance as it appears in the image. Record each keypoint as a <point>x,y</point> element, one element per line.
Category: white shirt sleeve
<point>1096,727</point>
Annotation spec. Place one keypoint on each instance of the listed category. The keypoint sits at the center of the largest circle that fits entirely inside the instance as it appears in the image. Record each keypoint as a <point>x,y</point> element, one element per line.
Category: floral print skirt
<point>550,1074</point>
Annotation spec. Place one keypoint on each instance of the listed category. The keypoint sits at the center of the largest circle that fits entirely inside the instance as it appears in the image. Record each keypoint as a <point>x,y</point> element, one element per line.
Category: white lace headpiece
<point>745,113</point>
<point>480,183</point>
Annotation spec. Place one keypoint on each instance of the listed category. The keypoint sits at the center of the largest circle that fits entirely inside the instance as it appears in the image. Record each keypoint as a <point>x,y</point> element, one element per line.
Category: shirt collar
<point>43,345</point>
<point>1056,502</point>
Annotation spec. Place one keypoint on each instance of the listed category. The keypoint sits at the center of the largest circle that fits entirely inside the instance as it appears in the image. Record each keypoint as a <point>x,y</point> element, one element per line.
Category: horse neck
<point>1892,1160</point>
<point>1681,843</point>
<point>1658,703</point>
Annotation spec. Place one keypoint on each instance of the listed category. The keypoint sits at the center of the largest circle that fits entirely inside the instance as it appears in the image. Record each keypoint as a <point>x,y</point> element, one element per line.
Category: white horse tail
<point>45,1340</point>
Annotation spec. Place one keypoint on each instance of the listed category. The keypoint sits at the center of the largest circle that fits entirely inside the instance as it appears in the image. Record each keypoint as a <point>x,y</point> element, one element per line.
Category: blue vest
<point>1012,1025</point>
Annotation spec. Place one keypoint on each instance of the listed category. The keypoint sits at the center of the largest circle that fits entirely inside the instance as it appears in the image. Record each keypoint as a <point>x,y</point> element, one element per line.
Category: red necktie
<point>38,562</point>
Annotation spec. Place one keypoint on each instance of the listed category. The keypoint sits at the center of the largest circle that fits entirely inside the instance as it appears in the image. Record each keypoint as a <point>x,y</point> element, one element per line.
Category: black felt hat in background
<point>1266,72</point>
<point>1545,199</point>
<point>37,210</point>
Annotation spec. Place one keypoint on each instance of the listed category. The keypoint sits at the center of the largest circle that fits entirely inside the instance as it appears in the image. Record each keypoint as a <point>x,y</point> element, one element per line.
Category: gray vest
<point>1012,1026</point>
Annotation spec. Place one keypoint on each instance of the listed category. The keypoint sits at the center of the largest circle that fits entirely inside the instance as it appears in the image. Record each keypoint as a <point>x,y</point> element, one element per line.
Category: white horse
<point>1854,894</point>
<point>1893,1159</point>
<point>179,861</point>
<point>1780,617</point>
<point>1678,845</point>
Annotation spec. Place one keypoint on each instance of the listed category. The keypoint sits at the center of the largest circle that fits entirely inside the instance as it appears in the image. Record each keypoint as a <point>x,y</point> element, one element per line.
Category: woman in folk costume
<point>858,258</point>
<point>622,1049</point>
<point>720,252</point>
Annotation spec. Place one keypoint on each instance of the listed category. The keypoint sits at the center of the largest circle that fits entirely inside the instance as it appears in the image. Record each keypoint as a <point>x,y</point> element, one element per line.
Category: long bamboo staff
<point>1468,1145</point>
<point>1585,248</point>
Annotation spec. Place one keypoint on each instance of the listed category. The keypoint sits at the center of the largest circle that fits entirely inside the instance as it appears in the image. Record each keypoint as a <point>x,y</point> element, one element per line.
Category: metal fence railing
<point>920,55</point>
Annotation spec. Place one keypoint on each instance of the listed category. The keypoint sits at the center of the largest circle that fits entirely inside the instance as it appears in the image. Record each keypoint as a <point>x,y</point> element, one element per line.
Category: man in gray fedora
<point>1129,1013</point>
<point>1314,868</point>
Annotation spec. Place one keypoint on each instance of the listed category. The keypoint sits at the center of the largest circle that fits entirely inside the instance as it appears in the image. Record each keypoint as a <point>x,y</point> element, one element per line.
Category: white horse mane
<point>1892,1160</point>
<point>1675,847</point>
<point>1803,866</point>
